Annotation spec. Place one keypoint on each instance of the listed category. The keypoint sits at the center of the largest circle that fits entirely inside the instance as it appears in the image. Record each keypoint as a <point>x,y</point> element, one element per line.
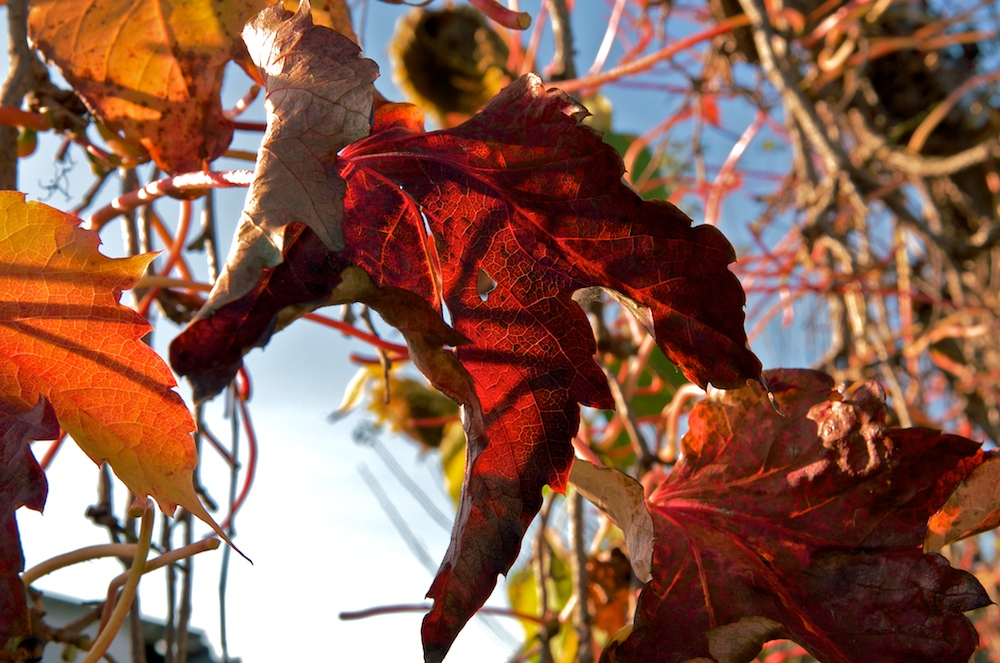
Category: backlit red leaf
<point>64,336</point>
<point>523,196</point>
<point>807,526</point>
<point>22,483</point>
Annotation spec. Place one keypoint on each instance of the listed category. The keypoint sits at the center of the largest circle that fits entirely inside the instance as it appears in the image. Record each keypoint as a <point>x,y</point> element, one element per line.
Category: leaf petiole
<point>167,558</point>
<point>110,630</point>
<point>77,556</point>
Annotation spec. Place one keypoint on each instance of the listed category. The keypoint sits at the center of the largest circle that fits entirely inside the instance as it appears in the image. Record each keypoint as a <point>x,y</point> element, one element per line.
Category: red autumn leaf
<point>22,483</point>
<point>152,70</point>
<point>807,526</point>
<point>64,336</point>
<point>525,195</point>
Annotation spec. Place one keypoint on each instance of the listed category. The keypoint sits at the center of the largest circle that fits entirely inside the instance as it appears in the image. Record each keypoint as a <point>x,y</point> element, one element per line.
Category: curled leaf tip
<point>434,653</point>
<point>770,396</point>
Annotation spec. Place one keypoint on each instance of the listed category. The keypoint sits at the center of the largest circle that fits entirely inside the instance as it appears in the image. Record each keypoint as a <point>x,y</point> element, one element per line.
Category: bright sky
<point>318,538</point>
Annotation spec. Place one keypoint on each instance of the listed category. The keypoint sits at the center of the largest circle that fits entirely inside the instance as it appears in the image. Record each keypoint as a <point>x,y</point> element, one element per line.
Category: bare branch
<point>25,69</point>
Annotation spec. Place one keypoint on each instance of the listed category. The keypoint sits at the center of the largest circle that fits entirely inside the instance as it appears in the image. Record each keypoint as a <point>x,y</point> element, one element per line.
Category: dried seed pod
<point>448,61</point>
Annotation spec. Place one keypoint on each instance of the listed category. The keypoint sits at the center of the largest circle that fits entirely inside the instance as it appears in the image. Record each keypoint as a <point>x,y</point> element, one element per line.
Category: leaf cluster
<point>559,309</point>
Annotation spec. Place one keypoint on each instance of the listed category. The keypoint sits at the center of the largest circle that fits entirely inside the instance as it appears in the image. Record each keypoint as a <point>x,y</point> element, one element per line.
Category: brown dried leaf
<point>974,507</point>
<point>319,99</point>
<point>333,14</point>
<point>621,498</point>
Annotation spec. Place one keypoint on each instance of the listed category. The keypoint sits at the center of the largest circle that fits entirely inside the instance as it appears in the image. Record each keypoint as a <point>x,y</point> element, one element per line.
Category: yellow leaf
<point>150,68</point>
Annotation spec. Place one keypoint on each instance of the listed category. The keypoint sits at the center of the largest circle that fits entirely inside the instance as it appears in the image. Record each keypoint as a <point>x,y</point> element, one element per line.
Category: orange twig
<point>252,444</point>
<point>505,17</point>
<point>15,117</point>
<point>940,111</point>
<point>647,62</point>
<point>351,330</point>
<point>173,257</point>
<point>53,449</point>
<point>243,103</point>
<point>720,185</point>
<point>176,184</point>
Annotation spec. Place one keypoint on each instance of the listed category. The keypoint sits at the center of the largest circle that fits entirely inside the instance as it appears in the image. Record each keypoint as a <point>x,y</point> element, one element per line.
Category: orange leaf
<point>63,335</point>
<point>152,70</point>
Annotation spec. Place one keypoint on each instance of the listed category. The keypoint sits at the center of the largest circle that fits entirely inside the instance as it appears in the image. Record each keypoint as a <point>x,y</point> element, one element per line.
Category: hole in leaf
<point>485,284</point>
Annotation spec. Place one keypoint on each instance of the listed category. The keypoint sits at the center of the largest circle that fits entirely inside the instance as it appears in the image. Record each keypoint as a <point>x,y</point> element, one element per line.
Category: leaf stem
<point>15,117</point>
<point>110,630</point>
<point>722,179</point>
<point>53,449</point>
<point>251,462</point>
<point>582,618</point>
<point>173,256</point>
<point>75,557</point>
<point>158,281</point>
<point>245,155</point>
<point>243,103</point>
<point>351,330</point>
<point>167,558</point>
<point>250,126</point>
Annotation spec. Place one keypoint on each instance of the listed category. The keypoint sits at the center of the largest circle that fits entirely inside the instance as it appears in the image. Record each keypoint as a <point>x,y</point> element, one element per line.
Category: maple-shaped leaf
<point>319,98</point>
<point>22,483</point>
<point>64,336</point>
<point>152,70</point>
<point>525,197</point>
<point>807,526</point>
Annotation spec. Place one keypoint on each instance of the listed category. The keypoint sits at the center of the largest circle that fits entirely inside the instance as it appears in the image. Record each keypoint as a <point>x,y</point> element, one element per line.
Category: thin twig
<point>944,166</point>
<point>563,65</point>
<point>412,542</point>
<point>75,557</point>
<point>780,74</point>
<point>234,469</point>
<point>110,630</point>
<point>582,619</point>
<point>25,68</point>
<point>206,239</point>
<point>642,64</point>
<point>542,564</point>
<point>623,411</point>
<point>424,607</point>
<point>170,632</point>
<point>934,118</point>
<point>174,185</point>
